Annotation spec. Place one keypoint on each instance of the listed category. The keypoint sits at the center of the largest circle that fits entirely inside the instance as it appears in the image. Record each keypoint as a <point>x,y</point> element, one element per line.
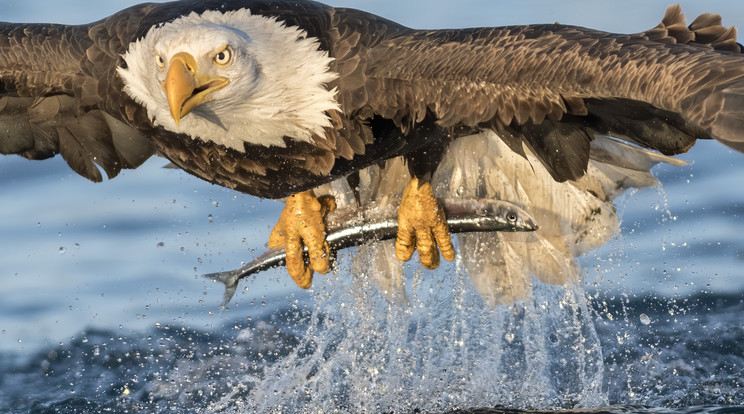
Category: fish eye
<point>223,57</point>
<point>159,60</point>
<point>512,217</point>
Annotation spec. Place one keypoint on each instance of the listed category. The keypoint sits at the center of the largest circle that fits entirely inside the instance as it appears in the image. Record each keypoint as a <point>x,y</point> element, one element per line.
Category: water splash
<point>445,350</point>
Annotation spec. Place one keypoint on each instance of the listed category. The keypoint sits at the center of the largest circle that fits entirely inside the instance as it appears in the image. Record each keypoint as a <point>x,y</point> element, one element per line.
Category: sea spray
<point>442,350</point>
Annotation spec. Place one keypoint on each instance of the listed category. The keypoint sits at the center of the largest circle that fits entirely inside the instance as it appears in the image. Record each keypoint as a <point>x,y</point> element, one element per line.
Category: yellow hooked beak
<point>185,87</point>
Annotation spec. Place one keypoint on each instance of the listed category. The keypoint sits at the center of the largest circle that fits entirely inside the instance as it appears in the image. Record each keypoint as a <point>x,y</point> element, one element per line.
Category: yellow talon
<point>301,224</point>
<point>422,226</point>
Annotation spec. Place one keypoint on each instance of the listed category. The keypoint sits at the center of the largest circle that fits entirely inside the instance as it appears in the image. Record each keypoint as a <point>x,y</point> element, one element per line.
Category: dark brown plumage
<point>400,91</point>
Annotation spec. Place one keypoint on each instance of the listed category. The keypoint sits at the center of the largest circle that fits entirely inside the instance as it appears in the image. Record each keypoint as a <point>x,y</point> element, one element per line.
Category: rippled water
<point>102,309</point>
<point>689,353</point>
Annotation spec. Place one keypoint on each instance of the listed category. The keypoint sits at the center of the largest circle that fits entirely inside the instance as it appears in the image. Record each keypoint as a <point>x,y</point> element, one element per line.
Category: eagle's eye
<point>223,57</point>
<point>160,61</point>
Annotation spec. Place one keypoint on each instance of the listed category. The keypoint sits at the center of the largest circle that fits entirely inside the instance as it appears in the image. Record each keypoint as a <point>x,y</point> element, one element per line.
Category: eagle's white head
<point>232,78</point>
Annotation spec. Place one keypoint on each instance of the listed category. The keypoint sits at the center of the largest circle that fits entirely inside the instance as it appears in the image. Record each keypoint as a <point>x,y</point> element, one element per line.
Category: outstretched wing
<point>50,102</point>
<point>552,87</point>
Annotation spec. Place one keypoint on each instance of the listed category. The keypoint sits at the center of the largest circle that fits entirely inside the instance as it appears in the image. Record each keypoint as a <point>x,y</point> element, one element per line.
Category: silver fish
<point>350,226</point>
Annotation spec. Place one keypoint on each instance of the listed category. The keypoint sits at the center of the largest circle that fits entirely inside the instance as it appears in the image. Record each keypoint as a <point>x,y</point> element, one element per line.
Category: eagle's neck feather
<point>283,94</point>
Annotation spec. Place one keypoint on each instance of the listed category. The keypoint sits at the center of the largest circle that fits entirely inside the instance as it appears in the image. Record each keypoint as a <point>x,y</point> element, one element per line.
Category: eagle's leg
<point>301,224</point>
<point>422,226</point>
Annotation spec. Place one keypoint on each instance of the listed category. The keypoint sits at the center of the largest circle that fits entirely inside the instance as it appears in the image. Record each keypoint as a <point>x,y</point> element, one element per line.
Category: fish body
<point>348,227</point>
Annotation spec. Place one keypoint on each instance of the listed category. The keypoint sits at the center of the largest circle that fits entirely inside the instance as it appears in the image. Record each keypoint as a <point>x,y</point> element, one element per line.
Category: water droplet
<point>62,250</point>
<point>645,319</point>
<point>160,244</point>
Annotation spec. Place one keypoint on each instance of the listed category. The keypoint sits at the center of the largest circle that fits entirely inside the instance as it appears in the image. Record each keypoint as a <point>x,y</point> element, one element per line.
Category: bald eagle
<point>276,98</point>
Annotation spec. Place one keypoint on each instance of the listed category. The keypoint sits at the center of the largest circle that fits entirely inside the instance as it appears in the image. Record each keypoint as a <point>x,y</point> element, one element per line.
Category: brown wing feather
<point>528,78</point>
<point>49,98</point>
